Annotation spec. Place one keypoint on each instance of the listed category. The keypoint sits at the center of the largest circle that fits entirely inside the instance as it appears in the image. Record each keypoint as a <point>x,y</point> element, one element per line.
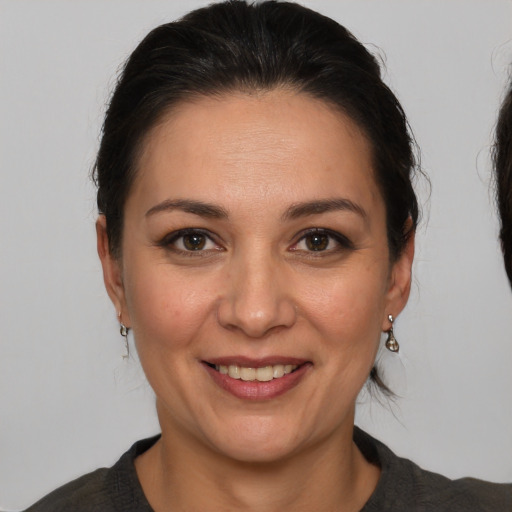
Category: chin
<point>259,442</point>
<point>251,451</point>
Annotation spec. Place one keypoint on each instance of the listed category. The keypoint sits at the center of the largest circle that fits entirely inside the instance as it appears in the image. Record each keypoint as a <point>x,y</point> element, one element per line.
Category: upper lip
<point>250,362</point>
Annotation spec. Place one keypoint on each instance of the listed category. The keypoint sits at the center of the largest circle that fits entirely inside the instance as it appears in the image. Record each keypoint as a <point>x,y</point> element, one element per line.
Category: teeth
<point>263,374</point>
<point>234,371</point>
<point>278,371</point>
<point>247,374</point>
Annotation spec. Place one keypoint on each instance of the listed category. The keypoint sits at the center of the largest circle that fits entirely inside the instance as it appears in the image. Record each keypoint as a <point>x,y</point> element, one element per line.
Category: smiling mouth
<point>261,374</point>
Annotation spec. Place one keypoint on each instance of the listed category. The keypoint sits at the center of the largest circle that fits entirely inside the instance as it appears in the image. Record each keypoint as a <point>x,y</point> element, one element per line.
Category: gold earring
<point>391,343</point>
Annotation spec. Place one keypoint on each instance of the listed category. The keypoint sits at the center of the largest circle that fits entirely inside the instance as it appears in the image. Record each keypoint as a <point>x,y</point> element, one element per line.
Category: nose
<point>257,298</point>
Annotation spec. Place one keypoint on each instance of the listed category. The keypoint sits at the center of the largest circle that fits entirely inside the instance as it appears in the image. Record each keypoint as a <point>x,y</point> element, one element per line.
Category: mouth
<point>257,379</point>
<point>250,374</point>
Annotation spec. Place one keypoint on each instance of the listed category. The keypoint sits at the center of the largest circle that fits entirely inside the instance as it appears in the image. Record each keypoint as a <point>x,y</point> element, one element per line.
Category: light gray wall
<point>69,403</point>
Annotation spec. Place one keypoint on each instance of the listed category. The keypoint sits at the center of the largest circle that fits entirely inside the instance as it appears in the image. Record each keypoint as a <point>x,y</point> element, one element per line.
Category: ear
<point>399,283</point>
<point>112,271</point>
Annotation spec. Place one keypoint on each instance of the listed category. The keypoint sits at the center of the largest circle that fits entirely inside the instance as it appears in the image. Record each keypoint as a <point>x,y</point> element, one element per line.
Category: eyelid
<point>343,241</point>
<point>169,239</point>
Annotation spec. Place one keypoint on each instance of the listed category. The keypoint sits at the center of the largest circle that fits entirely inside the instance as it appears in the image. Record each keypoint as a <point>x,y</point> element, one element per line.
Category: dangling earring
<point>391,343</point>
<point>123,330</point>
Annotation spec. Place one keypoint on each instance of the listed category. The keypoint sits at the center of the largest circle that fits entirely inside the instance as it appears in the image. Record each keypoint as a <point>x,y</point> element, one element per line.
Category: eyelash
<point>342,242</point>
<point>170,240</point>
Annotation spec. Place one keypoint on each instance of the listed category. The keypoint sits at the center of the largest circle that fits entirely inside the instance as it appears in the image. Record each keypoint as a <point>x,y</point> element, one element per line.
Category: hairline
<point>220,93</point>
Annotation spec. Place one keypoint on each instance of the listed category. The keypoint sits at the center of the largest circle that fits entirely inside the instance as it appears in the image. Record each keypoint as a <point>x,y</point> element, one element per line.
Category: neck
<point>180,473</point>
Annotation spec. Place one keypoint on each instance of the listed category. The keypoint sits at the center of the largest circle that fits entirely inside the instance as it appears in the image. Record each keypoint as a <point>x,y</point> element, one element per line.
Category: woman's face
<point>255,272</point>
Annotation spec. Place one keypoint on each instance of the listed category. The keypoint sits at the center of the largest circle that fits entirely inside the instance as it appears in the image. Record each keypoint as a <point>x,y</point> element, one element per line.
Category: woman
<point>256,233</point>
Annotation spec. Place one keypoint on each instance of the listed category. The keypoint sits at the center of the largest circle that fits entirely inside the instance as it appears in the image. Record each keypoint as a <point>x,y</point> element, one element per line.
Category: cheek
<point>352,301</point>
<point>347,311</point>
<point>167,308</point>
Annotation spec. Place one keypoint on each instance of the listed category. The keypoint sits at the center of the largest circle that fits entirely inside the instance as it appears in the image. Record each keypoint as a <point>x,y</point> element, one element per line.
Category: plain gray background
<point>69,403</point>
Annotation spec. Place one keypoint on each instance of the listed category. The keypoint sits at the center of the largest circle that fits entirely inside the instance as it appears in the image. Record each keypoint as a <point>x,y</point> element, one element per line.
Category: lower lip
<point>256,390</point>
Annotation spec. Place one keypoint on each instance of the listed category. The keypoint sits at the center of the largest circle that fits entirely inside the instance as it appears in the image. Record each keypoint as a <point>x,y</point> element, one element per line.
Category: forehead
<point>258,147</point>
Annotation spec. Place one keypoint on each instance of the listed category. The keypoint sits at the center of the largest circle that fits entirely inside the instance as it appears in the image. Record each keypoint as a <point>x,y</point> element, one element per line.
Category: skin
<point>256,289</point>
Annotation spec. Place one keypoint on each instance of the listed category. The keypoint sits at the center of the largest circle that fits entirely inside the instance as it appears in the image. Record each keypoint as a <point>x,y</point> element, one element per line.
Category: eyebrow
<point>189,206</point>
<point>298,210</point>
<point>295,211</point>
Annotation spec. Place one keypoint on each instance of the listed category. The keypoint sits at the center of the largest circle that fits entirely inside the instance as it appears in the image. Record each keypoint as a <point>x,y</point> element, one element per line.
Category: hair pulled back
<point>238,46</point>
<point>502,156</point>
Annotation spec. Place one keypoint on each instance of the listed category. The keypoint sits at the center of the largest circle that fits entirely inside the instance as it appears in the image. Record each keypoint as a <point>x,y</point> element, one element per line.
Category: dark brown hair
<point>502,156</point>
<point>237,46</point>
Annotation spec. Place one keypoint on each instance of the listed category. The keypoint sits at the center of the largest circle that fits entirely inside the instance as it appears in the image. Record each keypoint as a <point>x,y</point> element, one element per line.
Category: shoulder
<point>487,495</point>
<point>404,486</point>
<point>436,492</point>
<point>112,489</point>
<point>83,494</point>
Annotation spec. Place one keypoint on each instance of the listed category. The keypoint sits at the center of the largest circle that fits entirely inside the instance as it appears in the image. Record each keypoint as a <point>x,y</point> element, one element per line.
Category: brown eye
<point>320,240</point>
<point>317,241</point>
<point>194,241</point>
<point>189,241</point>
